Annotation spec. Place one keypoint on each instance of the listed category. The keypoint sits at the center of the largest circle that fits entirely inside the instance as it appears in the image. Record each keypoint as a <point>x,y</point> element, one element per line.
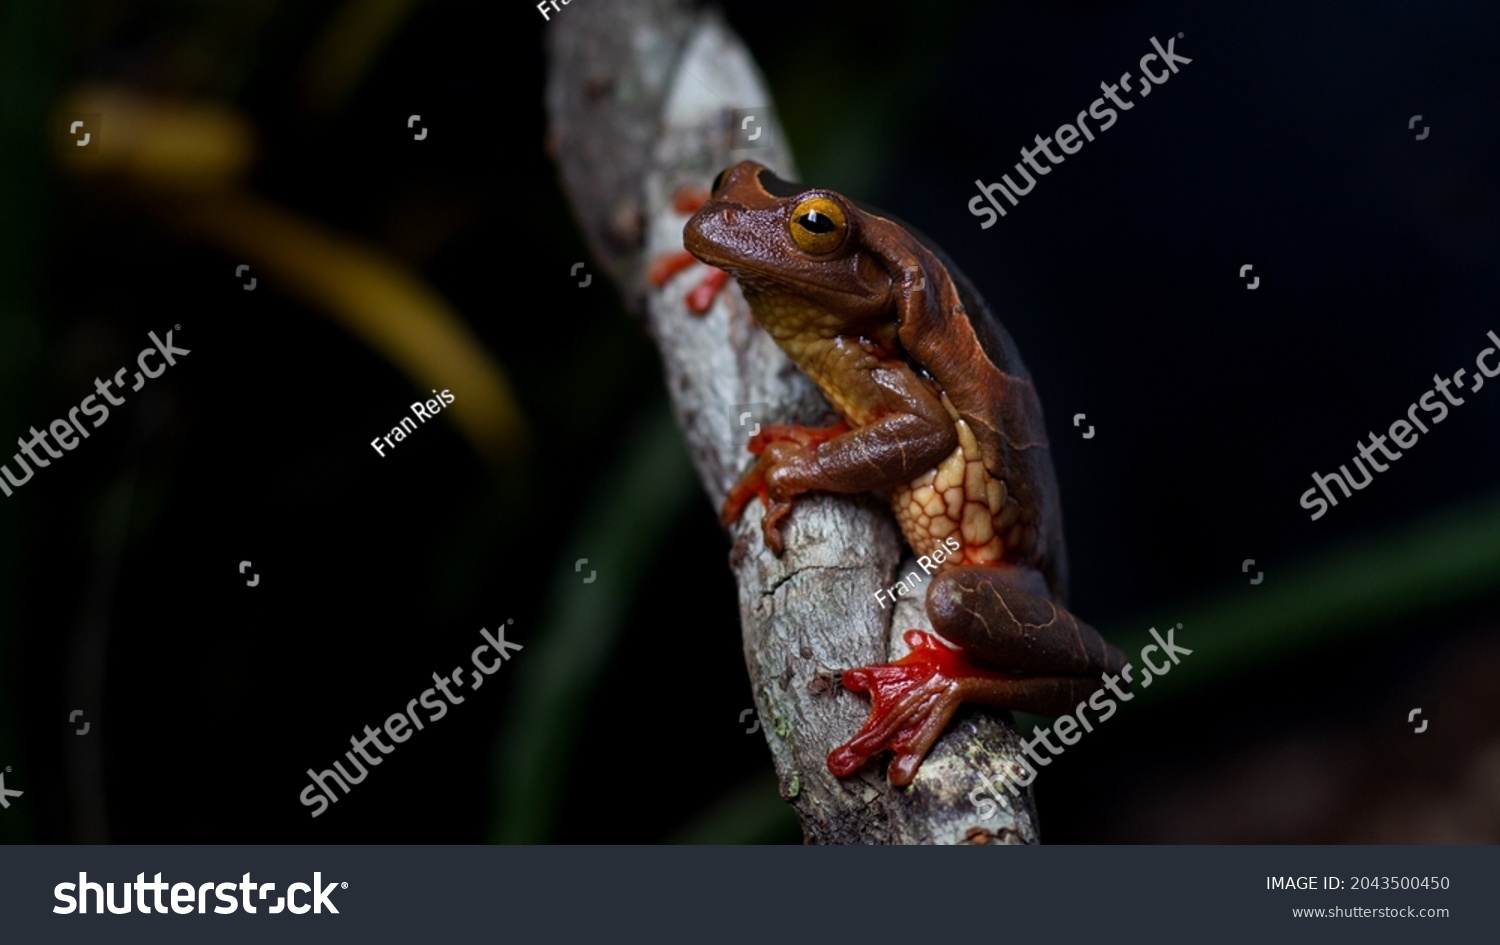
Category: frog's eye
<point>819,226</point>
<point>718,182</point>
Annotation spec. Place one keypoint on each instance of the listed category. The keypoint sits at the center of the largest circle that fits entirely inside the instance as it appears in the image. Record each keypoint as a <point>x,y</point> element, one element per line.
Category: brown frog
<point>937,412</point>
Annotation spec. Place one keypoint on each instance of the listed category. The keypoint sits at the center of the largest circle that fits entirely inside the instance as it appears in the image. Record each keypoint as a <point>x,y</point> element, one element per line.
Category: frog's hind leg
<point>1003,616</point>
<point>1020,651</point>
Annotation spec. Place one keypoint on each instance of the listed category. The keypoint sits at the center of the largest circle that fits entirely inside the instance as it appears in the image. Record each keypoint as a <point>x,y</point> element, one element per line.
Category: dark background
<point>1284,144</point>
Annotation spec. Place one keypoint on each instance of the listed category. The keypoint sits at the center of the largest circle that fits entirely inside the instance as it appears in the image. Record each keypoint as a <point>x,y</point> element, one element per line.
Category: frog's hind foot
<point>912,701</point>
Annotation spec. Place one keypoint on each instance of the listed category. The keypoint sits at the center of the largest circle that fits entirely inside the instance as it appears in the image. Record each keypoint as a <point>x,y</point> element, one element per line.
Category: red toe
<point>664,267</point>
<point>912,700</point>
<point>702,296</point>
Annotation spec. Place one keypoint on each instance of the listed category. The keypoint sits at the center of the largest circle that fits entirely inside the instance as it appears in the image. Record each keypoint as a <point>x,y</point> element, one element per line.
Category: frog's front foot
<point>701,297</point>
<point>912,701</point>
<point>780,473</point>
<point>754,483</point>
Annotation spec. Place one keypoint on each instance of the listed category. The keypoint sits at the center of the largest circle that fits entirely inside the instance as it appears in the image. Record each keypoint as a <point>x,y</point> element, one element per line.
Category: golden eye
<point>819,226</point>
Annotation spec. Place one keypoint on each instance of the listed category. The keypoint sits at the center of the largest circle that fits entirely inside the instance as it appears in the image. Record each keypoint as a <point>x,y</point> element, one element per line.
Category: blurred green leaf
<point>638,499</point>
<point>1407,572</point>
<point>349,45</point>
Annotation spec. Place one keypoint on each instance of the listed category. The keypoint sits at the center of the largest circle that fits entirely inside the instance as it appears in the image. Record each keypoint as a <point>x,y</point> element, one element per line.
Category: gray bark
<point>639,97</point>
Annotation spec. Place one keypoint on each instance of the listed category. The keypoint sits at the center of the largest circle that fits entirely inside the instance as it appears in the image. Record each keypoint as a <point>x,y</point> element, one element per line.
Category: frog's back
<point>1002,469</point>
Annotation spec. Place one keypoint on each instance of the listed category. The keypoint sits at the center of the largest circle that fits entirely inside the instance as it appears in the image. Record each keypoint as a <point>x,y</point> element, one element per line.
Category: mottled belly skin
<point>959,498</point>
<point>963,499</point>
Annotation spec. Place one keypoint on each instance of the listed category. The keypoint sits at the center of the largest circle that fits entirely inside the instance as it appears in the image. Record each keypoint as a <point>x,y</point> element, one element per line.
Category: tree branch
<point>639,98</point>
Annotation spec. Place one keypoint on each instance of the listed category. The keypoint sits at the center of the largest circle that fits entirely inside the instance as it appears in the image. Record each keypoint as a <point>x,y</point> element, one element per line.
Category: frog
<point>936,410</point>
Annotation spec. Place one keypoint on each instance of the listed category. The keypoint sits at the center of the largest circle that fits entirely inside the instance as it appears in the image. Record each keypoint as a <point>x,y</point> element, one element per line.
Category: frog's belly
<point>963,500</point>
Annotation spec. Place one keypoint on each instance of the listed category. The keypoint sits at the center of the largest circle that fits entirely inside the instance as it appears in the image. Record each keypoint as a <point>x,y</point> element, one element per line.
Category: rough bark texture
<point>639,98</point>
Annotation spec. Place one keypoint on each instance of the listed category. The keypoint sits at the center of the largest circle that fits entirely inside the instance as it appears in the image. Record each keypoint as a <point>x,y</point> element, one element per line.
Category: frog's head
<point>779,238</point>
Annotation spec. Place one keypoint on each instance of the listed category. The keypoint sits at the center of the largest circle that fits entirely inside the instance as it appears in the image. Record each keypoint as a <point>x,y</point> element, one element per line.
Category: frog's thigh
<point>1002,615</point>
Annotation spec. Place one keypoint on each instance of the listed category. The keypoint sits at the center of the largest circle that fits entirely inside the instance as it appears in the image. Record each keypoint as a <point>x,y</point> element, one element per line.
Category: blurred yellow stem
<point>378,300</point>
